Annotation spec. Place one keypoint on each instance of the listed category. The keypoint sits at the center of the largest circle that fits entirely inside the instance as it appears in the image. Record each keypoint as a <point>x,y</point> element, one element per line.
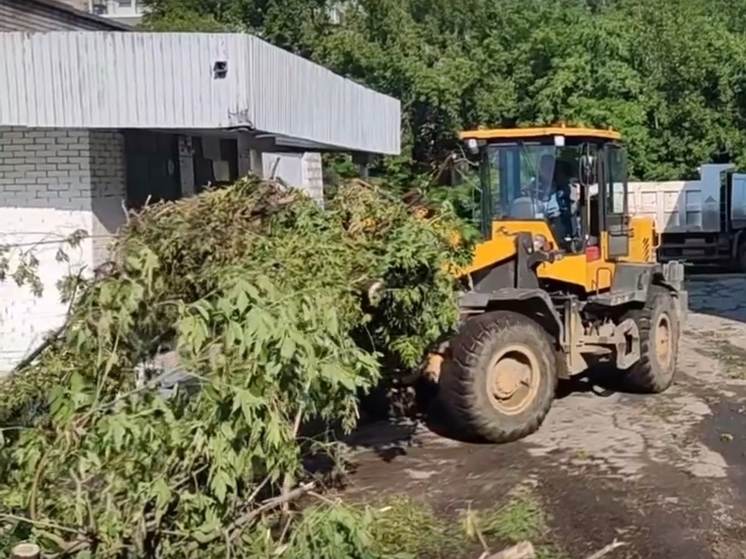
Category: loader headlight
<point>540,241</point>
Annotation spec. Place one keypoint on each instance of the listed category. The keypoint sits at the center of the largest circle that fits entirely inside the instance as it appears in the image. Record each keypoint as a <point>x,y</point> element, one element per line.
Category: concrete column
<point>255,158</point>
<point>249,158</point>
<point>186,166</point>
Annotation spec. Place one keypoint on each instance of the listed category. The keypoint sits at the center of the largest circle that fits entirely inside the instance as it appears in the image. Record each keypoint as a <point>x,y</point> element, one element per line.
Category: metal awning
<point>171,81</point>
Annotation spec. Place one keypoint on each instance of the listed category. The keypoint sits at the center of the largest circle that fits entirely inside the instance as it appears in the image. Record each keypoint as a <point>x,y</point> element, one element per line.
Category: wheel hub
<point>514,380</point>
<point>663,350</point>
<point>510,374</point>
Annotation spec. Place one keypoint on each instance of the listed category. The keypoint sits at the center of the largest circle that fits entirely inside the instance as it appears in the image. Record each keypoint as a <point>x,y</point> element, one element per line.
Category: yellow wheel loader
<point>563,280</point>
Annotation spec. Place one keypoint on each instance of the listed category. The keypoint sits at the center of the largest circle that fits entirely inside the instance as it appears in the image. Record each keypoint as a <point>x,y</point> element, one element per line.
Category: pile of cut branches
<point>258,291</point>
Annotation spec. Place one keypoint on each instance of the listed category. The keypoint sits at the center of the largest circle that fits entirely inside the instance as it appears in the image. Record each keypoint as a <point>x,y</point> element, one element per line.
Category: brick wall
<point>53,182</point>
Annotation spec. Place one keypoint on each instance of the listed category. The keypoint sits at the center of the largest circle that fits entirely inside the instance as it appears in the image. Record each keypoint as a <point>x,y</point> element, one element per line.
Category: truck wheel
<point>659,343</point>
<point>499,381</point>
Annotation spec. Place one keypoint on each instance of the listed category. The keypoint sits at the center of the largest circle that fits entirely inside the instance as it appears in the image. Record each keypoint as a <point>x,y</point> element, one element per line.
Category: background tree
<point>669,74</point>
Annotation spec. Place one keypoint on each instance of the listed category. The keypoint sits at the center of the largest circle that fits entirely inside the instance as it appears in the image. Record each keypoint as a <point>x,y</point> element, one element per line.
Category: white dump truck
<point>699,221</point>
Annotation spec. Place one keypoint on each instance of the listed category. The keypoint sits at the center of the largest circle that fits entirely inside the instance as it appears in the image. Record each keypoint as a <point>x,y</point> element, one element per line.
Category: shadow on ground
<point>389,433</point>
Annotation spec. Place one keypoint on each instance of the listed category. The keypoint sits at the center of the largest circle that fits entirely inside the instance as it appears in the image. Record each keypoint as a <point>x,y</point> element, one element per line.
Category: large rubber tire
<point>467,376</point>
<point>653,374</point>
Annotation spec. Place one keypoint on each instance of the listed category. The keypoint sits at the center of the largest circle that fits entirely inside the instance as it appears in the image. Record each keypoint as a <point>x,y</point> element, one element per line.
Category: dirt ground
<point>665,474</point>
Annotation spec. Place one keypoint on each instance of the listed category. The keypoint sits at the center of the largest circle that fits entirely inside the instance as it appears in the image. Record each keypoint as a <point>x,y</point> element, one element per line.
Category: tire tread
<point>645,375</point>
<point>460,382</point>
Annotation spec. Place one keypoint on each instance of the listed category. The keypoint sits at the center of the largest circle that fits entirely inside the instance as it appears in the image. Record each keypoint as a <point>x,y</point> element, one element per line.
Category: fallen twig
<point>126,212</point>
<point>268,505</point>
<point>38,523</point>
<point>522,550</point>
<point>606,550</point>
<point>435,177</point>
<point>275,164</point>
<point>287,482</point>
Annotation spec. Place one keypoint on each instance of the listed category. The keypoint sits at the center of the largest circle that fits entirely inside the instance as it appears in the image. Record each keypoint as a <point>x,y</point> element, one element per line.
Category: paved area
<point>665,473</point>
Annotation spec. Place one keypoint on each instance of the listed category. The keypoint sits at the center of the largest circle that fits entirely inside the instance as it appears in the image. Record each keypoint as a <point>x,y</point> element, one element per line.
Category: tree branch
<point>522,550</point>
<point>250,516</point>
<point>606,550</point>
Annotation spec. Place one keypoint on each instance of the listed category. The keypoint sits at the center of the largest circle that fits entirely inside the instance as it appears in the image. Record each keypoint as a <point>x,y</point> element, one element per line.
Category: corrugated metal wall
<point>122,80</point>
<point>293,94</point>
<point>168,80</point>
<point>27,15</point>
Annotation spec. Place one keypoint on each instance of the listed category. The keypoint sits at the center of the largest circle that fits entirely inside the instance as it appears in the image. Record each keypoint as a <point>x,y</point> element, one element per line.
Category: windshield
<point>539,181</point>
<point>529,171</point>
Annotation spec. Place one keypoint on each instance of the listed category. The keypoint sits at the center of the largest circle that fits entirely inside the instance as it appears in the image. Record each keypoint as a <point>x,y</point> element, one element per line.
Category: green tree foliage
<point>259,292</point>
<point>669,74</point>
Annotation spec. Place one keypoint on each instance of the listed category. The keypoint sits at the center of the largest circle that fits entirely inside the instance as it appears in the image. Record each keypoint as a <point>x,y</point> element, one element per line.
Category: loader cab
<point>574,180</point>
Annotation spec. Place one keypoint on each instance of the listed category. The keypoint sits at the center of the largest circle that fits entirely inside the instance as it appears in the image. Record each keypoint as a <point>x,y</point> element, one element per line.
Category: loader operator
<point>559,209</point>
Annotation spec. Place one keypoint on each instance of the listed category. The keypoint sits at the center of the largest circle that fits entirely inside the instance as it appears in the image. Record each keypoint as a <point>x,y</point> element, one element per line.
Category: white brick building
<point>72,159</point>
<point>53,183</point>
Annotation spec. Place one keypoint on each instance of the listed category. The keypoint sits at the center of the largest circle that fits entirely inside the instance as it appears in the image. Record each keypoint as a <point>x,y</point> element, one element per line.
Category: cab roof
<point>537,133</point>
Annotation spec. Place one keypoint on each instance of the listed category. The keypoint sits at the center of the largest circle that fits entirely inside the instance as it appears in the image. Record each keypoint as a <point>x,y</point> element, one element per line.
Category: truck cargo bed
<point>681,206</point>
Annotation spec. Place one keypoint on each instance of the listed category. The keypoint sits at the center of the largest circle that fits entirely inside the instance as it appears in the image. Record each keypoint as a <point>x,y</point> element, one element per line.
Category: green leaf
<point>203,308</point>
<point>59,405</point>
<point>227,430</point>
<point>107,293</point>
<point>233,334</point>
<point>112,360</point>
<point>219,485</point>
<point>77,383</point>
<point>246,402</point>
<point>117,432</point>
<point>337,375</point>
<point>162,493</point>
<point>287,348</point>
<point>242,302</point>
